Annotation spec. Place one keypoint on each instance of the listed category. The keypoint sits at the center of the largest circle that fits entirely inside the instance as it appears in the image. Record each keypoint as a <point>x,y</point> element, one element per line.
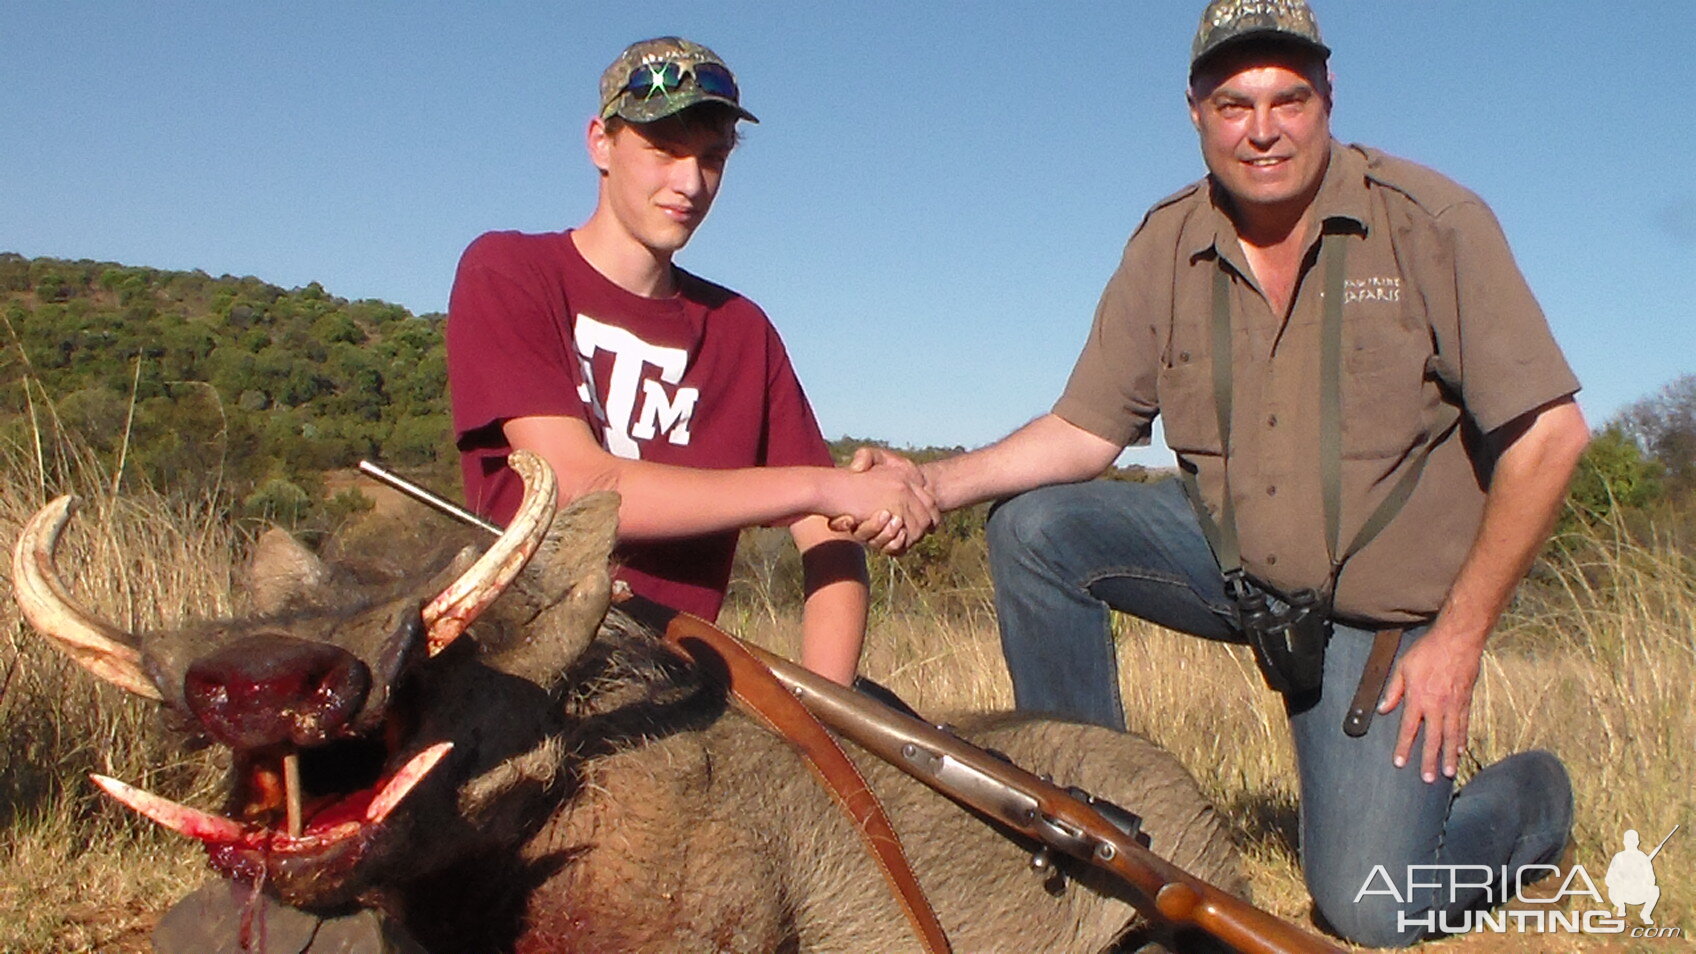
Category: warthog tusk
<point>218,830</point>
<point>448,615</point>
<point>291,793</point>
<point>95,645</point>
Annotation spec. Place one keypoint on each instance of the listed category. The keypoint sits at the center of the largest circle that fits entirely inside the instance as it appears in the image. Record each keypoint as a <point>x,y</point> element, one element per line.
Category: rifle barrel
<point>1663,843</point>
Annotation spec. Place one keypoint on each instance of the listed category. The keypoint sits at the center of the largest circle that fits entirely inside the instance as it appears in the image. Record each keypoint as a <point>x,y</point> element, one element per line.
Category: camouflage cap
<point>1229,22</point>
<point>653,79</point>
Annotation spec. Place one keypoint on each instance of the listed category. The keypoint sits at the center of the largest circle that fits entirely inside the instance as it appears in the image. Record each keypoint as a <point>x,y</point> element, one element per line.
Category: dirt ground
<point>92,928</point>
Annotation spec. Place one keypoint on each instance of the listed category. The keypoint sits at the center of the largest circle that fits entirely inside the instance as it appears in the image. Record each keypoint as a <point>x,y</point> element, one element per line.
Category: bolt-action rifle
<point>1059,818</point>
<point>1095,832</point>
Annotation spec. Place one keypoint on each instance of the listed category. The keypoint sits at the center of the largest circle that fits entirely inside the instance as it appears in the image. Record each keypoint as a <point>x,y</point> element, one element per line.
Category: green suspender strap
<point>1222,534</point>
<point>1331,428</point>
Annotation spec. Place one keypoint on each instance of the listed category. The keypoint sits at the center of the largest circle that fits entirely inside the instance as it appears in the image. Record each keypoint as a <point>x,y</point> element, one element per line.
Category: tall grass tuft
<point>77,872</point>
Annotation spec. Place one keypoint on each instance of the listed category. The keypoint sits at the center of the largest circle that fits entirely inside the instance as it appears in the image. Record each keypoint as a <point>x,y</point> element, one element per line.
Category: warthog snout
<point>270,689</point>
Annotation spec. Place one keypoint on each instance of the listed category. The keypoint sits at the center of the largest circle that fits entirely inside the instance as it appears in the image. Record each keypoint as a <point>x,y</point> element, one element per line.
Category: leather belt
<point>1372,680</point>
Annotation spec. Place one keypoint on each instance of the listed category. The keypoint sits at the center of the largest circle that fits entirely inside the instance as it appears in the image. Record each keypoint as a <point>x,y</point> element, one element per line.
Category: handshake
<point>884,500</point>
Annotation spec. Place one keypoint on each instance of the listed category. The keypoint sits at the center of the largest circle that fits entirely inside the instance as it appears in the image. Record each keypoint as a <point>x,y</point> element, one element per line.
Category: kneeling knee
<point>1369,919</point>
<point>1027,521</point>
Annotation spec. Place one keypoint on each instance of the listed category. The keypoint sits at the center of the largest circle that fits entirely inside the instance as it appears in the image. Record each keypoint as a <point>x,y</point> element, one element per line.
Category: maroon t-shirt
<point>698,380</point>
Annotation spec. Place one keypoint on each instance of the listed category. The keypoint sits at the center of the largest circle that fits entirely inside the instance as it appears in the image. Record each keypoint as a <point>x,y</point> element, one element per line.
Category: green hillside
<point>228,388</point>
<point>245,395</point>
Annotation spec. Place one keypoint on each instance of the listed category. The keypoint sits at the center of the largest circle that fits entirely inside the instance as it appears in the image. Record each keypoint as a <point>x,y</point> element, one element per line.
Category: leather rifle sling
<point>759,693</point>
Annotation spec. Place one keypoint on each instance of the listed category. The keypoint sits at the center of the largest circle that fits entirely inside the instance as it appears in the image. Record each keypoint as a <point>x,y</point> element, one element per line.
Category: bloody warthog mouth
<point>324,825</point>
<point>282,711</point>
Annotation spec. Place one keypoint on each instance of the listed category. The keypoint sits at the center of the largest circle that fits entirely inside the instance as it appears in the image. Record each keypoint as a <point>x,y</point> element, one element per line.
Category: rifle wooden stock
<point>1042,811</point>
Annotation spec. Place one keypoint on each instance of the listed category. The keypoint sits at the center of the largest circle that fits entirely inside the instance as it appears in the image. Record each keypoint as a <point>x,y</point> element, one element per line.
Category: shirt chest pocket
<point>1187,406</point>
<point>1385,392</point>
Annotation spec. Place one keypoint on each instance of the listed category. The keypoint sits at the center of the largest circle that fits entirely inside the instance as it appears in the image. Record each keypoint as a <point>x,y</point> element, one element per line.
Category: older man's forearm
<point>1527,492</point>
<point>1048,450</point>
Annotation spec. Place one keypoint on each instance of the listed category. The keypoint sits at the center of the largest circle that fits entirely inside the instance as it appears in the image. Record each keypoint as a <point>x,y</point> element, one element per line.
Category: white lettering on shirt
<point>632,358</point>
<point>667,416</point>
<point>1381,288</point>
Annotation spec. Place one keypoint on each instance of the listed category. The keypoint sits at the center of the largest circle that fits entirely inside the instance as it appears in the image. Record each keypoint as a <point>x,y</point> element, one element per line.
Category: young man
<point>627,373</point>
<point>1372,420</point>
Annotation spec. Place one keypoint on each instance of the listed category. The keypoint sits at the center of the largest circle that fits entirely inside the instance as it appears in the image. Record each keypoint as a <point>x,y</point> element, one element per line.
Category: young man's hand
<point>890,528</point>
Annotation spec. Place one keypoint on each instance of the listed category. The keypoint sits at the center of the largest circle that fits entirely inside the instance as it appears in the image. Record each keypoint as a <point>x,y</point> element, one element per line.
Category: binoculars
<point>1288,637</point>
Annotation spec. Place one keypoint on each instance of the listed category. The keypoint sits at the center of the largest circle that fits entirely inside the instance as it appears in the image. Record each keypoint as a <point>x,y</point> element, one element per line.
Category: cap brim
<point>1268,36</point>
<point>659,107</point>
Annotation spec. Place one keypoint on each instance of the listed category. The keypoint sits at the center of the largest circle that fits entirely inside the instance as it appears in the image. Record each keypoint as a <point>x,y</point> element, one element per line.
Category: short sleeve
<point>792,434</point>
<point>506,354</point>
<point>1499,349</point>
<point>1112,392</point>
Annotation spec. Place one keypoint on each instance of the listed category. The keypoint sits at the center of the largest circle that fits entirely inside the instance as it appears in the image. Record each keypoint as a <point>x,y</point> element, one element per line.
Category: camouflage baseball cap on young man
<point>1229,22</point>
<point>655,78</point>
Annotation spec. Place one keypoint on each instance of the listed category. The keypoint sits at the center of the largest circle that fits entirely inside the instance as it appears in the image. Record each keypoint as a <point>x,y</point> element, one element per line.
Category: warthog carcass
<point>556,780</point>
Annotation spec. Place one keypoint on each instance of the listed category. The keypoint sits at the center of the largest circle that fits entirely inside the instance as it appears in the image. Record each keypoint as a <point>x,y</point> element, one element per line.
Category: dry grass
<point>1596,663</point>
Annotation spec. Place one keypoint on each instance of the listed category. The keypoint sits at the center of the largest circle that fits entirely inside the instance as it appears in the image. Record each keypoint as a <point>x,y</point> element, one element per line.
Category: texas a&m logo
<point>638,405</point>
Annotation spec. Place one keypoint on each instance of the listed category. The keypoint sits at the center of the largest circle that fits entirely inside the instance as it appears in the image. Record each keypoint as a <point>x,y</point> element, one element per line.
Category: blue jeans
<point>1063,555</point>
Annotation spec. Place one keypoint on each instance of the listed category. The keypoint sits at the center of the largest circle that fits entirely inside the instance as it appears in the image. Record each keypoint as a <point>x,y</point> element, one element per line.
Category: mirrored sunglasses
<point>662,79</point>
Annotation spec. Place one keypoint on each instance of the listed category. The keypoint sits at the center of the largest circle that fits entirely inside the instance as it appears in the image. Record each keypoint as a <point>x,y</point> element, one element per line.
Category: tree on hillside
<point>1664,426</point>
<point>1613,475</point>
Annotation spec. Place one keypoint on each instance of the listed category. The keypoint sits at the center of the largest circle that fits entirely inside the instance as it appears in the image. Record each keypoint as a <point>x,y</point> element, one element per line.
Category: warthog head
<point>341,697</point>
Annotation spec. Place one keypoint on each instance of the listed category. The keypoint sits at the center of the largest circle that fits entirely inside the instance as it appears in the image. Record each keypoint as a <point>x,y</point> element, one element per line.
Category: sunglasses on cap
<point>664,78</point>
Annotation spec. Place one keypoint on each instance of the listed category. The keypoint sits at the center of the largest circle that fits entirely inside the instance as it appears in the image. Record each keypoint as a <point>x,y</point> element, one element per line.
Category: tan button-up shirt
<point>1436,319</point>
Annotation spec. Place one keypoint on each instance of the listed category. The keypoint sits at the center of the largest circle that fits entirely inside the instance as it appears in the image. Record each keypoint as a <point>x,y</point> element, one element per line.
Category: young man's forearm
<point>662,501</point>
<point>833,623</point>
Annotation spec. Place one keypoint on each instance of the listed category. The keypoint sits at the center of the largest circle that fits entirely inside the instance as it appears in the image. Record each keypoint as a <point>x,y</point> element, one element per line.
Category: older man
<point>1375,430</point>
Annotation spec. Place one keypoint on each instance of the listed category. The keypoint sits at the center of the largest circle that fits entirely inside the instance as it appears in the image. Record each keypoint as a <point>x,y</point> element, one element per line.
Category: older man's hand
<point>1433,684</point>
<point>889,506</point>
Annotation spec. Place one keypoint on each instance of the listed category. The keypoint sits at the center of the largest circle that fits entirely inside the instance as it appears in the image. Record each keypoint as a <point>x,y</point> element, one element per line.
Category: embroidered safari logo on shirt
<point>639,406</point>
<point>1386,288</point>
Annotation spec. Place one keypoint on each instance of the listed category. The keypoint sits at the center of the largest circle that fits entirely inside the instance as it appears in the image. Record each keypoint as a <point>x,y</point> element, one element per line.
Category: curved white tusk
<point>448,615</point>
<point>92,643</point>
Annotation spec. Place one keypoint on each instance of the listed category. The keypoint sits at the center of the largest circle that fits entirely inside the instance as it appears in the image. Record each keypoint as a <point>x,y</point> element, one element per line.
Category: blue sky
<point>933,200</point>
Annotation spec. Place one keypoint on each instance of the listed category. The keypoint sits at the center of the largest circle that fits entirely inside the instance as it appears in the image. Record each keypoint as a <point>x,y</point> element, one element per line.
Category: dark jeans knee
<point>1025,523</point>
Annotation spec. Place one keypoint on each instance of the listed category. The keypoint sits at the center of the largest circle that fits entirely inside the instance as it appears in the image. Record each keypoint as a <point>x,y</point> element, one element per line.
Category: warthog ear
<point>583,534</point>
<point>282,572</point>
<point>552,611</point>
